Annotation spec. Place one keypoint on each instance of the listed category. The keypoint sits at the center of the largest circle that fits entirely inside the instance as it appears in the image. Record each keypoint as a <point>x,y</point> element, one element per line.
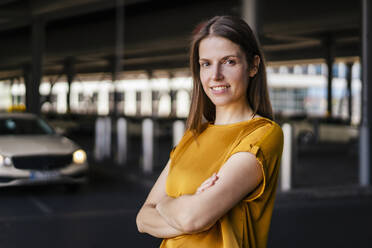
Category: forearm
<point>215,197</point>
<point>150,221</point>
<point>180,213</point>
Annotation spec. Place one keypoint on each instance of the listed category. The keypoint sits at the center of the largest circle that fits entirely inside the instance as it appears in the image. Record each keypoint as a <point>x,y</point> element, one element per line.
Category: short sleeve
<point>266,144</point>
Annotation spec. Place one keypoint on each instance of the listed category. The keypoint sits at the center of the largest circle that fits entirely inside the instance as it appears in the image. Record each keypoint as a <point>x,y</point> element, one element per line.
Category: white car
<point>31,152</point>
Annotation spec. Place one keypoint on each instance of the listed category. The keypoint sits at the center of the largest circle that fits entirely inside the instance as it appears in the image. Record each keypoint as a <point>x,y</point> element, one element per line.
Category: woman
<point>218,187</point>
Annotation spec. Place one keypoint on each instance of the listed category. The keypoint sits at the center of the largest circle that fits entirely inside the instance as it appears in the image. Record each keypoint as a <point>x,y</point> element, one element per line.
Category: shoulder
<point>270,140</point>
<point>261,128</point>
<point>272,137</point>
<point>186,138</point>
<point>263,134</point>
<point>269,130</point>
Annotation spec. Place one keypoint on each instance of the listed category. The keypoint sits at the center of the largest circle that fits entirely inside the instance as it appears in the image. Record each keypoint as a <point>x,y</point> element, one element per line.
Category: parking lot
<point>102,214</point>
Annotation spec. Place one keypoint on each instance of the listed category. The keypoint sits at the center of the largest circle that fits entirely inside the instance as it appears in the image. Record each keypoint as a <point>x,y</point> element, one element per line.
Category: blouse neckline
<point>236,123</point>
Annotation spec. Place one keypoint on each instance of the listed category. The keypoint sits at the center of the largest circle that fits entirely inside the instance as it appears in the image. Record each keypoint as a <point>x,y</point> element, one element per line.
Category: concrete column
<point>99,139</point>
<point>178,130</point>
<point>116,63</point>
<point>69,69</point>
<point>349,77</point>
<point>30,92</point>
<point>114,76</point>
<point>102,149</point>
<point>251,13</point>
<point>148,145</point>
<point>12,97</point>
<point>365,132</point>
<point>329,61</point>
<point>286,168</point>
<point>122,140</point>
<point>173,96</point>
<point>119,37</point>
<point>33,73</point>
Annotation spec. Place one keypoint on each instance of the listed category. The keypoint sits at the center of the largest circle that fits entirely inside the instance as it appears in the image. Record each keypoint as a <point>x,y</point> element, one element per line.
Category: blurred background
<point>113,76</point>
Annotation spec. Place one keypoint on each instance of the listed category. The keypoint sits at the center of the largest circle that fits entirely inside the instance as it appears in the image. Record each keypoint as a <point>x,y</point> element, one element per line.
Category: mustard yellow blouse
<point>193,161</point>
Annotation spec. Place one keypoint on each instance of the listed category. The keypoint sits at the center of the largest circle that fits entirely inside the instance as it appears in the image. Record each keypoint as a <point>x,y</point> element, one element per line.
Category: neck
<point>232,114</point>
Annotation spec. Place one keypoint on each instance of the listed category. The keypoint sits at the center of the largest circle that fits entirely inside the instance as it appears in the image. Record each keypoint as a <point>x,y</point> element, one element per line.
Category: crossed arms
<point>166,217</point>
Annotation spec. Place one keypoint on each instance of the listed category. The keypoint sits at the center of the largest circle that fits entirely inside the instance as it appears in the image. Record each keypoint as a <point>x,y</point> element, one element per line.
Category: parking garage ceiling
<point>157,32</point>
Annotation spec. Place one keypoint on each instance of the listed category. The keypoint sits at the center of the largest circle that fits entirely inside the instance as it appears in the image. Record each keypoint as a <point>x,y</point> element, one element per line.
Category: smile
<point>220,88</point>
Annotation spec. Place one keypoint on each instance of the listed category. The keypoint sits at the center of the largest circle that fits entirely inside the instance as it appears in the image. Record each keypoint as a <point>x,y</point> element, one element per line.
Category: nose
<point>217,73</point>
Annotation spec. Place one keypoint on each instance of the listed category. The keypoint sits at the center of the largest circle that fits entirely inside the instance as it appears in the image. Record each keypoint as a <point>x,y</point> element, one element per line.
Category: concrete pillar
<point>30,91</point>
<point>102,149</point>
<point>99,140</point>
<point>116,63</point>
<point>122,140</point>
<point>69,69</point>
<point>173,96</point>
<point>349,94</point>
<point>286,167</point>
<point>251,13</point>
<point>178,130</point>
<point>328,45</point>
<point>12,97</point>
<point>33,73</point>
<point>148,145</point>
<point>365,132</point>
<point>119,37</point>
<point>114,76</point>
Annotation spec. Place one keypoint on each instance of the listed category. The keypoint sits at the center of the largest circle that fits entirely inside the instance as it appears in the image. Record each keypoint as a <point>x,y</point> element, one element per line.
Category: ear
<point>256,63</point>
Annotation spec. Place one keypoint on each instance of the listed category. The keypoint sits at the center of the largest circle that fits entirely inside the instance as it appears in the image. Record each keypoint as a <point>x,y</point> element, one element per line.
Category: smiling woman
<point>224,72</point>
<point>218,187</point>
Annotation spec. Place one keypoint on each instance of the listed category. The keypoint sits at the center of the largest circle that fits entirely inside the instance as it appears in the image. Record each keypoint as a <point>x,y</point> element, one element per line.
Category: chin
<point>220,103</point>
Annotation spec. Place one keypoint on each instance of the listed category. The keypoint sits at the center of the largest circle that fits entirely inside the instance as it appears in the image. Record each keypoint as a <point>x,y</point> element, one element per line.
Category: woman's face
<point>224,71</point>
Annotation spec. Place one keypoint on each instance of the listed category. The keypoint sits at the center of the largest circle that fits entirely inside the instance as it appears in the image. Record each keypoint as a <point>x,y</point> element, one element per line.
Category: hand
<point>207,183</point>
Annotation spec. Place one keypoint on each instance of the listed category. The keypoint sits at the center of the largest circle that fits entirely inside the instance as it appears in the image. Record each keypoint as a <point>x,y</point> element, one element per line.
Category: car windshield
<point>24,126</point>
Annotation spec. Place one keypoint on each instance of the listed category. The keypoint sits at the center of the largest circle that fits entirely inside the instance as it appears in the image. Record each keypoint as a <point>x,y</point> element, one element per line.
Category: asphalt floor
<point>102,214</point>
<point>326,206</point>
<point>309,215</point>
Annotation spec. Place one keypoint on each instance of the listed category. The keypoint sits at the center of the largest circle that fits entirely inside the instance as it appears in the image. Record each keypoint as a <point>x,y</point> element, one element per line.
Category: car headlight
<point>5,161</point>
<point>79,156</point>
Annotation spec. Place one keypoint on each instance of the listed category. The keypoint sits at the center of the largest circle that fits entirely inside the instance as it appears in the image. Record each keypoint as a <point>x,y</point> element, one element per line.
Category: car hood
<point>35,144</point>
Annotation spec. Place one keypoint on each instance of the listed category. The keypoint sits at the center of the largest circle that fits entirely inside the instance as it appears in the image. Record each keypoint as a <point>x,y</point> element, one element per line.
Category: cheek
<point>203,79</point>
<point>203,76</point>
<point>244,77</point>
<point>242,80</point>
<point>205,88</point>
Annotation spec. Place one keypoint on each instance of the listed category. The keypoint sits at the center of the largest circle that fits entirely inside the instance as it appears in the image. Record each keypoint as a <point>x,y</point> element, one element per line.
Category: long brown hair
<point>237,31</point>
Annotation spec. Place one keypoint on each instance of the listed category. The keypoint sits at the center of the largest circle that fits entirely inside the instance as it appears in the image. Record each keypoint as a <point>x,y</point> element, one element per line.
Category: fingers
<point>210,180</point>
<point>207,183</point>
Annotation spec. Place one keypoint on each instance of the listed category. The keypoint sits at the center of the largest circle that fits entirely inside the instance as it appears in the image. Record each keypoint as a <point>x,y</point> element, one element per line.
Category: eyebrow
<point>225,57</point>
